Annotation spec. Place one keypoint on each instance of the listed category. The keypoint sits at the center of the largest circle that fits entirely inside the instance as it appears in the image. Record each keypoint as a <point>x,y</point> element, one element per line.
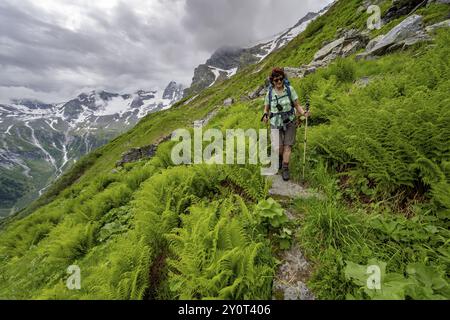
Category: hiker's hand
<point>265,118</point>
<point>306,114</point>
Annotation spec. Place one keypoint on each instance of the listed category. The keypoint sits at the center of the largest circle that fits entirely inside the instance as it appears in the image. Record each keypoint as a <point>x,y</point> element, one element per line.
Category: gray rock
<point>349,42</point>
<point>136,154</point>
<point>203,122</point>
<point>173,91</point>
<point>408,28</point>
<point>419,37</point>
<point>351,48</point>
<point>228,102</point>
<point>402,8</point>
<point>292,72</point>
<point>363,82</point>
<point>326,50</point>
<point>289,189</point>
<point>374,42</point>
<point>203,78</point>
<point>434,27</point>
<point>258,92</point>
<point>310,69</point>
<point>291,276</point>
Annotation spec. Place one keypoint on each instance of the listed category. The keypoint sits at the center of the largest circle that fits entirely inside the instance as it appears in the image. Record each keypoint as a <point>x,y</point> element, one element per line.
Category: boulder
<point>419,37</point>
<point>309,69</point>
<point>351,47</point>
<point>294,72</point>
<point>136,154</point>
<point>349,42</point>
<point>408,28</point>
<point>228,102</point>
<point>203,122</point>
<point>326,50</point>
<point>372,43</point>
<point>260,91</point>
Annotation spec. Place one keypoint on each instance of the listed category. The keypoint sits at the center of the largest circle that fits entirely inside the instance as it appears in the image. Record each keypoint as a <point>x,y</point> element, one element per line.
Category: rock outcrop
<point>407,33</point>
<point>149,151</point>
<point>401,8</point>
<point>173,91</point>
<point>434,27</point>
<point>255,94</point>
<point>136,154</point>
<point>203,122</point>
<point>348,42</point>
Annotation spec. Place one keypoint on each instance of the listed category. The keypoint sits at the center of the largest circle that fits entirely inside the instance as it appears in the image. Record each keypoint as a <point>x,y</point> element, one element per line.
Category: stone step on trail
<point>294,271</point>
<point>288,189</point>
<point>291,277</point>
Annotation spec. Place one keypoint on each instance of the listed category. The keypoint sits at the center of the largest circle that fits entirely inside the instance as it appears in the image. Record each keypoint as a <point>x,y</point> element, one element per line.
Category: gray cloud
<point>52,50</point>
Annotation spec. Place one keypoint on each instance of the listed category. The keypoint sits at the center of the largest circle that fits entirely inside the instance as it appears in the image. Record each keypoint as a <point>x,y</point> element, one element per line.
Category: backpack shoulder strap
<point>287,84</point>
<point>270,95</point>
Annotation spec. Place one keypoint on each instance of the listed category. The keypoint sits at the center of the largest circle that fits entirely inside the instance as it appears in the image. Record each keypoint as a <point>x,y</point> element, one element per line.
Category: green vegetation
<point>10,188</point>
<point>379,153</point>
<point>381,156</point>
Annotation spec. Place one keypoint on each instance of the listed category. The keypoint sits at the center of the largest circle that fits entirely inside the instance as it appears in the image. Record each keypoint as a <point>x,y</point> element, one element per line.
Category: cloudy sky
<point>54,49</point>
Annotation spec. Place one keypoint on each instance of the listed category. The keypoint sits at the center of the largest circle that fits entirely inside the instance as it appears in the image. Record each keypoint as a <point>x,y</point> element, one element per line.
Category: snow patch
<point>190,100</point>
<point>116,105</point>
<point>36,142</point>
<point>9,128</point>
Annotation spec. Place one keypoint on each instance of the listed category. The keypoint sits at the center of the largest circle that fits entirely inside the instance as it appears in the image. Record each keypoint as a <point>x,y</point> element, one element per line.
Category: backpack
<point>285,115</point>
<point>287,85</point>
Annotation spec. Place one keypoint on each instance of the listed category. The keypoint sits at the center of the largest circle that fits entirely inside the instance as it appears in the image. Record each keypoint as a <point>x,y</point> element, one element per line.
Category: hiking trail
<point>294,271</point>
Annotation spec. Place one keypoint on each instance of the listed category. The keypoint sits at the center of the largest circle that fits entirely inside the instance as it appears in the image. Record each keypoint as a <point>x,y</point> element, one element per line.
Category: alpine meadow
<point>374,201</point>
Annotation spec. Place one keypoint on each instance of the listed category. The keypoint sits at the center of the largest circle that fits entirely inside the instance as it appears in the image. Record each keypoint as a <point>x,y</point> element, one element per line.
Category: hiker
<point>281,108</point>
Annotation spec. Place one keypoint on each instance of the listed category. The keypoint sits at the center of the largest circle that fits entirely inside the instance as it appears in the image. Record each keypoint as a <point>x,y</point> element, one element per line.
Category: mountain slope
<point>226,61</point>
<point>378,150</point>
<point>40,141</point>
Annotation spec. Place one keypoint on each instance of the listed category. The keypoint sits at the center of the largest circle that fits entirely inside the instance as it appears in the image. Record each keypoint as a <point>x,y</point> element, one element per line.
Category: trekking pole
<point>304,145</point>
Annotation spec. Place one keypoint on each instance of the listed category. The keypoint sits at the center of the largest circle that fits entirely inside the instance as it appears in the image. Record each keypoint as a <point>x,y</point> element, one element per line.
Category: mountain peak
<point>173,91</point>
<point>309,16</point>
<point>227,60</point>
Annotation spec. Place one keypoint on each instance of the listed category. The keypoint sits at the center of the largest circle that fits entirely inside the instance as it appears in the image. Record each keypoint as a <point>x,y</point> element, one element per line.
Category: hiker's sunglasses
<point>279,79</point>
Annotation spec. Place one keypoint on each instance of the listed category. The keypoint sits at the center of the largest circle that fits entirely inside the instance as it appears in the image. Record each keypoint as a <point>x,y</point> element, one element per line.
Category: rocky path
<point>294,270</point>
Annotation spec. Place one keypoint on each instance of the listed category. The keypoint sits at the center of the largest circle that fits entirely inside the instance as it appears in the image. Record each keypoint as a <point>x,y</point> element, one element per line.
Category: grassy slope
<point>131,236</point>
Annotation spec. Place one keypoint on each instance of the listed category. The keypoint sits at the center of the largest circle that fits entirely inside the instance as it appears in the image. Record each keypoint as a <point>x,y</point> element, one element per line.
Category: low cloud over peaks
<point>54,49</point>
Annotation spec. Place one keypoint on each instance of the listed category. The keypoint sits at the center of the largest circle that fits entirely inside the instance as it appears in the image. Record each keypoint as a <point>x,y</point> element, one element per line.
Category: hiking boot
<point>285,172</point>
